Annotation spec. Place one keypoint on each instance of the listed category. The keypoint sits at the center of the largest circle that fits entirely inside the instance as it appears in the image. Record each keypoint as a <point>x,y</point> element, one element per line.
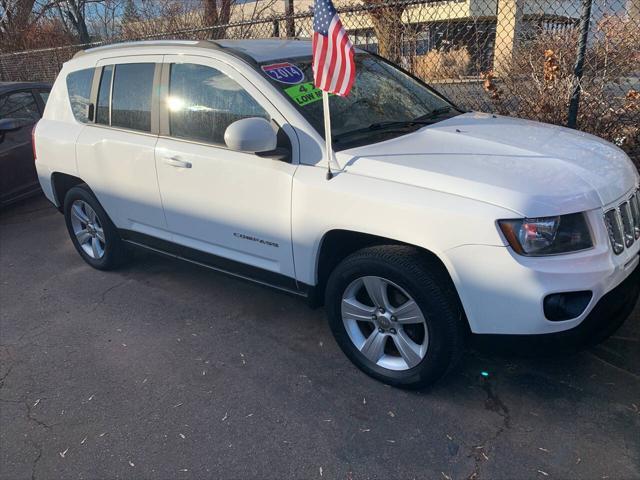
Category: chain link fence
<point>567,62</point>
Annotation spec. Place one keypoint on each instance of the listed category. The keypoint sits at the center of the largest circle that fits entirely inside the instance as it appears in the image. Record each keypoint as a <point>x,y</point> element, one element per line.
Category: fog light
<point>566,306</point>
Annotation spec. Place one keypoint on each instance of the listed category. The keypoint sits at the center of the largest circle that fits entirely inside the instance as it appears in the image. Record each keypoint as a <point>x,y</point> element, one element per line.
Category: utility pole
<point>289,12</point>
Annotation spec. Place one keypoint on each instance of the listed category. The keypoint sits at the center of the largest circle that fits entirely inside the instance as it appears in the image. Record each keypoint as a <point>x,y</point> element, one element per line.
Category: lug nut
<point>381,330</point>
<point>381,310</point>
<point>394,319</point>
<point>393,330</point>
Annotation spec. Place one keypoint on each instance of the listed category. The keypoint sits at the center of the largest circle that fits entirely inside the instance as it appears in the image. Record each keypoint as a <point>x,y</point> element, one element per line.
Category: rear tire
<point>92,233</point>
<point>413,333</point>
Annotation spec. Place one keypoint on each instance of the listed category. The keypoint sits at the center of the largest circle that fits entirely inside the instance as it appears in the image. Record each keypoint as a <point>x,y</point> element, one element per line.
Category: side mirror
<point>11,124</point>
<point>252,135</point>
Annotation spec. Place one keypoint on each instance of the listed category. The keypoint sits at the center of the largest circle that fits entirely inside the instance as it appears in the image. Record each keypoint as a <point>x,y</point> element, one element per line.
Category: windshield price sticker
<point>304,94</point>
<point>284,73</point>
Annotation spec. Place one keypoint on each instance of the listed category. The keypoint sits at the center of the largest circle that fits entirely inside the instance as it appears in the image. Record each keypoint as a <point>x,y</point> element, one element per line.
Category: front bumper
<point>607,316</point>
<point>503,293</point>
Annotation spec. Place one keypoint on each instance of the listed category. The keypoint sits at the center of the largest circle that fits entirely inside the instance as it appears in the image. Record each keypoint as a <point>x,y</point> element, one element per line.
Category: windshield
<point>383,103</point>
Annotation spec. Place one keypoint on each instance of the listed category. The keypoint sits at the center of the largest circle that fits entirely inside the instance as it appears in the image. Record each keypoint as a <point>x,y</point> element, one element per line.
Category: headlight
<point>537,237</point>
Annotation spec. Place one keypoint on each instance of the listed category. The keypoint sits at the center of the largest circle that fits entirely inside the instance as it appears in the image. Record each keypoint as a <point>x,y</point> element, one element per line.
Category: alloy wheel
<point>88,229</point>
<point>384,323</point>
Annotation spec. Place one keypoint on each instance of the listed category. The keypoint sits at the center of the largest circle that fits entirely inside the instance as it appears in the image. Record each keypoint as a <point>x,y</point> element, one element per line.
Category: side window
<point>44,95</point>
<point>19,105</point>
<point>131,96</point>
<point>104,96</point>
<point>79,88</point>
<point>203,102</point>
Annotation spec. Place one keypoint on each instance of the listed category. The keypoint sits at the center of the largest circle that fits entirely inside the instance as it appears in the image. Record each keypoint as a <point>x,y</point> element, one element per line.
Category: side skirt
<point>217,263</point>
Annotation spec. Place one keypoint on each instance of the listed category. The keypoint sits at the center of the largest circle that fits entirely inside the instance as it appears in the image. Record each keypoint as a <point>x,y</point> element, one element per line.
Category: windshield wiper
<point>438,112</point>
<point>397,124</point>
<point>400,125</point>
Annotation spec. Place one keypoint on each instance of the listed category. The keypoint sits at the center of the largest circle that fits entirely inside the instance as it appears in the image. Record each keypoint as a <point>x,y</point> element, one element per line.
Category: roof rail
<point>147,43</point>
<point>209,44</point>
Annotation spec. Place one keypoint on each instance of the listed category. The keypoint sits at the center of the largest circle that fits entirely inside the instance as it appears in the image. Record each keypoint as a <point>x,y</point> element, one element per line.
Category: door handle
<point>176,162</point>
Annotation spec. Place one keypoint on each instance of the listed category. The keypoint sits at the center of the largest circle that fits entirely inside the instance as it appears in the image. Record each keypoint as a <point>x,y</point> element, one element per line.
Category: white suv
<point>436,223</point>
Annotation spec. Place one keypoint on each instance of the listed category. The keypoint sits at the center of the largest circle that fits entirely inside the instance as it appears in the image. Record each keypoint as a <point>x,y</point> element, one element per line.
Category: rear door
<point>233,205</point>
<point>17,168</point>
<point>116,151</point>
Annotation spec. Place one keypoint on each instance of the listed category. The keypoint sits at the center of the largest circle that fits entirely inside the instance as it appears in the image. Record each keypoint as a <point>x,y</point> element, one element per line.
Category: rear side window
<point>79,88</point>
<point>203,102</point>
<point>131,96</point>
<point>19,105</point>
<point>104,96</point>
<point>44,95</point>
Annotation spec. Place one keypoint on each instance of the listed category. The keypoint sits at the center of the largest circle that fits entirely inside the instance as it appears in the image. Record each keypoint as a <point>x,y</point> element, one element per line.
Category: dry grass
<point>442,64</point>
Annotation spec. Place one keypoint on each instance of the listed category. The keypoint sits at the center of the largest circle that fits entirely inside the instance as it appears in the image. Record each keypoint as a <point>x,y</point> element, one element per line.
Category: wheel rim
<point>385,323</point>
<point>88,229</point>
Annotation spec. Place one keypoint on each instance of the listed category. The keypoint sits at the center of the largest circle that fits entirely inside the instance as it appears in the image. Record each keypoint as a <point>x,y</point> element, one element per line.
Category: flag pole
<point>327,133</point>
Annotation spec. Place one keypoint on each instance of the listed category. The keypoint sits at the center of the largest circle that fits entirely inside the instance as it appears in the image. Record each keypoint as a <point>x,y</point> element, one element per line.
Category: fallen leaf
<point>83,440</point>
<point>62,454</point>
<point>36,404</point>
<point>543,473</point>
<point>226,415</point>
<point>131,463</point>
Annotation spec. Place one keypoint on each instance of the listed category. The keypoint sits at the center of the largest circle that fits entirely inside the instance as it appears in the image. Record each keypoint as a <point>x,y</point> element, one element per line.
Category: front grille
<point>623,223</point>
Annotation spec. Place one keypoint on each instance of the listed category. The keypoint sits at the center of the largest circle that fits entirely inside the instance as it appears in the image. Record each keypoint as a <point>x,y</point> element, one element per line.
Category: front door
<point>233,205</point>
<point>17,169</point>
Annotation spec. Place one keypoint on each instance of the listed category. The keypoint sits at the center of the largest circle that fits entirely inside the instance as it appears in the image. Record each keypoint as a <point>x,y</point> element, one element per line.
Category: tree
<point>130,14</point>
<point>388,27</point>
<point>217,12</point>
<point>15,17</point>
<point>73,16</point>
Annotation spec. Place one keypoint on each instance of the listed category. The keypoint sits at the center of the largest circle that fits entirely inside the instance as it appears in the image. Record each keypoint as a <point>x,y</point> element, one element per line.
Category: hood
<point>531,168</point>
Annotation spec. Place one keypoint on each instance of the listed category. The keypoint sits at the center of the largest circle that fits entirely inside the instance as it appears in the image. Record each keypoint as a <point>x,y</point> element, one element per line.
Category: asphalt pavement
<point>166,370</point>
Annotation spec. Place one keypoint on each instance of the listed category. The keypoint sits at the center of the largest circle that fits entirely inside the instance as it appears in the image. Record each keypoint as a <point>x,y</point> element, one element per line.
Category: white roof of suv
<point>260,50</point>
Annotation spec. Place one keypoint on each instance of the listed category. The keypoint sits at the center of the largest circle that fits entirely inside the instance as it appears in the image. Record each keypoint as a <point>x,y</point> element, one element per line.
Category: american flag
<point>333,67</point>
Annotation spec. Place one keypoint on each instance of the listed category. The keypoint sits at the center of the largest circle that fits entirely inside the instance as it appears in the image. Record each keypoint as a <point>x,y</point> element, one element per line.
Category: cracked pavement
<point>167,370</point>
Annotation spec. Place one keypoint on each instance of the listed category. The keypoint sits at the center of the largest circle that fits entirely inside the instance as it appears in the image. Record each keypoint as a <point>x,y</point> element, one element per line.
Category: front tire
<point>93,234</point>
<point>394,315</point>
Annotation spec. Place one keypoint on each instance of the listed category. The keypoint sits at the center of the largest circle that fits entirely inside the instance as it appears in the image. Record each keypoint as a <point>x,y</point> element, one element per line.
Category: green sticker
<point>304,94</point>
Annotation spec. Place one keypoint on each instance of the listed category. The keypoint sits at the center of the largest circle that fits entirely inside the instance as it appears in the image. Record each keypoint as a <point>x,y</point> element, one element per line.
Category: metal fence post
<point>289,12</point>
<point>574,103</point>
